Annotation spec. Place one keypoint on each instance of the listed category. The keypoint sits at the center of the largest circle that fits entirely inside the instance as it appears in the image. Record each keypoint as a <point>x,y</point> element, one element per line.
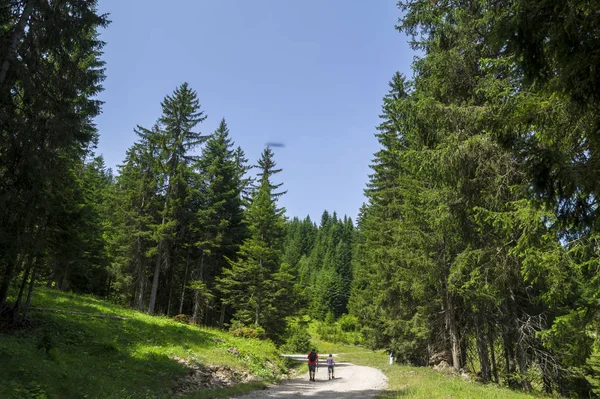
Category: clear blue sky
<point>308,73</point>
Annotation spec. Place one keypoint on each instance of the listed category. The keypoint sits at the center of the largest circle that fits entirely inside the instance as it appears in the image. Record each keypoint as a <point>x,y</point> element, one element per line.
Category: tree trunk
<point>63,283</point>
<point>482,348</point>
<point>170,285</point>
<point>187,262</point>
<point>108,287</point>
<point>222,318</point>
<point>522,360</point>
<point>52,274</point>
<point>197,310</point>
<point>453,332</point>
<point>259,299</point>
<point>11,53</point>
<point>23,283</point>
<point>6,279</point>
<point>154,288</point>
<point>509,355</point>
<point>257,312</point>
<point>30,292</point>
<point>142,292</point>
<point>490,331</point>
<point>141,275</point>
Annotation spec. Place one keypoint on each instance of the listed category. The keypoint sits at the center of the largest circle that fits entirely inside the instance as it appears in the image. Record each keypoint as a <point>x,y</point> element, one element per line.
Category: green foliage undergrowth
<point>81,355</point>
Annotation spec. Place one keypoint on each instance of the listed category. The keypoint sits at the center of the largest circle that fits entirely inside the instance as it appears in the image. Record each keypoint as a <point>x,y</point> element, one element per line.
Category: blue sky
<point>310,74</point>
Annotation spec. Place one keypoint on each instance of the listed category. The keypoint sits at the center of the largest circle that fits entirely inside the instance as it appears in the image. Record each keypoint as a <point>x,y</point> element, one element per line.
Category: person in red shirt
<point>313,361</point>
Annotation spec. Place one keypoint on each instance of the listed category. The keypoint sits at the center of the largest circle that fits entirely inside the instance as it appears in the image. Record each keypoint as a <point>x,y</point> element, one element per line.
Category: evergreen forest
<point>477,244</point>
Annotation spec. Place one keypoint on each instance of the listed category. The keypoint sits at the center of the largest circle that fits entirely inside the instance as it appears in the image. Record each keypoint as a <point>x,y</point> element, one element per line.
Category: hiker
<point>313,360</point>
<point>330,364</point>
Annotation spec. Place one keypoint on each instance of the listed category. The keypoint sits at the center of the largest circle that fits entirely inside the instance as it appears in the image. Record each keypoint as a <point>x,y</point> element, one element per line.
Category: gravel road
<point>350,382</point>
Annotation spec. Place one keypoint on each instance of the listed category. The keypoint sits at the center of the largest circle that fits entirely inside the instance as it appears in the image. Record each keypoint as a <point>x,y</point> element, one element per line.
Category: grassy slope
<point>418,382</point>
<point>79,356</point>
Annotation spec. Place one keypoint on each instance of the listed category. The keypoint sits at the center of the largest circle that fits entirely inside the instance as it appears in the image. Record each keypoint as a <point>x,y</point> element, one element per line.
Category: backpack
<point>312,356</point>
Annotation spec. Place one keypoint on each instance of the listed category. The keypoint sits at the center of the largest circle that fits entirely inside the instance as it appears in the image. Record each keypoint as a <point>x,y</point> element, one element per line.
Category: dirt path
<point>350,382</point>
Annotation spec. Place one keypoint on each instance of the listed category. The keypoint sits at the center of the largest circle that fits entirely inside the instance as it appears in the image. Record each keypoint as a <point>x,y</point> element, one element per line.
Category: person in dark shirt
<point>313,361</point>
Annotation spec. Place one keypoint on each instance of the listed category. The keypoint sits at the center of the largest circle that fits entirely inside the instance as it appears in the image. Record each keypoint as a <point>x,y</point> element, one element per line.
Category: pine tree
<point>257,285</point>
<point>132,233</point>
<point>220,217</point>
<point>175,137</point>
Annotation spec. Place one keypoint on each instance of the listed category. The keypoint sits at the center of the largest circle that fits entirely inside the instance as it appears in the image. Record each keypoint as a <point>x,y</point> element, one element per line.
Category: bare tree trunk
<point>108,286</point>
<point>154,288</point>
<point>52,274</point>
<point>509,336</point>
<point>63,283</point>
<point>453,331</point>
<point>170,285</point>
<point>11,54</point>
<point>23,283</point>
<point>490,331</point>
<point>523,367</point>
<point>222,318</point>
<point>482,348</point>
<point>509,355</point>
<point>142,292</point>
<point>197,310</point>
<point>8,272</point>
<point>30,292</point>
<point>140,270</point>
<point>187,262</point>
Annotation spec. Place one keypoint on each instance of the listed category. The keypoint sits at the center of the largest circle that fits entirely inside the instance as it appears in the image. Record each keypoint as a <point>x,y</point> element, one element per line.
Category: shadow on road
<point>323,365</point>
<point>306,390</point>
<point>321,388</point>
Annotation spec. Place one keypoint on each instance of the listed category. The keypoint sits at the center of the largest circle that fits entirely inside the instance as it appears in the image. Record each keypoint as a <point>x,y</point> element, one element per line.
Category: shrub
<point>181,318</point>
<point>238,329</point>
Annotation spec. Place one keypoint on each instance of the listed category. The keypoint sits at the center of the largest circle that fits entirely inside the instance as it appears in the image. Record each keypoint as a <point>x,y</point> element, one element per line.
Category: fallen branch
<point>102,316</point>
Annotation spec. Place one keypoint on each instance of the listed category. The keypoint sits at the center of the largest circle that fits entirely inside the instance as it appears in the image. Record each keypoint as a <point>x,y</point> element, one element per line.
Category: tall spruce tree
<point>258,286</point>
<point>136,192</point>
<point>175,137</point>
<point>220,217</point>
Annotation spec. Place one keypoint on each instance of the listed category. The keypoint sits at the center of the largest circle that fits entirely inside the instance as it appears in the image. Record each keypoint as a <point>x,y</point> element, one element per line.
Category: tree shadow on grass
<point>58,300</point>
<point>81,329</point>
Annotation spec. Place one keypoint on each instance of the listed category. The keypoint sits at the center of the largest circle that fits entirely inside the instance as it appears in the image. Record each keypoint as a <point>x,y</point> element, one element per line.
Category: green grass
<point>418,382</point>
<point>80,356</point>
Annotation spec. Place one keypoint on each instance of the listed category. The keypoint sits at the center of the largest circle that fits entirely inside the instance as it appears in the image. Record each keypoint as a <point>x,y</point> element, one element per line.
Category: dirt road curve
<point>350,382</point>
